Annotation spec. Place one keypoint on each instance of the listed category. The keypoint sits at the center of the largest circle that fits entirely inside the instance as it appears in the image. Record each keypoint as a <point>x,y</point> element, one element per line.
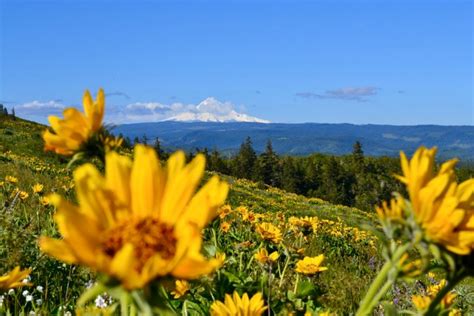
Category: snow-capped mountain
<point>213,110</point>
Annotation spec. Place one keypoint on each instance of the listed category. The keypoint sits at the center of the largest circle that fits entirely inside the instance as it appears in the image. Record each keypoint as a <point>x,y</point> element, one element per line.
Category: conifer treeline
<point>352,180</point>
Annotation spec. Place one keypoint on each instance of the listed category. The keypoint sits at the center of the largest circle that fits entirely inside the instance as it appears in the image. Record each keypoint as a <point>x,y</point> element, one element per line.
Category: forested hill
<point>303,139</point>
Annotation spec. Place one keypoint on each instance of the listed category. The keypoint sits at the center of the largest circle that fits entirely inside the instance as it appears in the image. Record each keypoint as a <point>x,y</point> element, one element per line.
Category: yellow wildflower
<point>421,302</point>
<point>44,201</point>
<point>432,290</point>
<point>14,278</point>
<point>237,306</point>
<point>224,211</point>
<point>140,221</point>
<point>181,288</point>
<point>225,226</point>
<point>455,312</point>
<point>111,142</point>
<point>443,208</point>
<point>262,256</point>
<point>23,195</point>
<point>269,232</point>
<point>37,188</point>
<point>220,257</point>
<point>393,211</point>
<point>410,268</point>
<point>11,179</point>
<point>76,128</point>
<point>431,275</point>
<point>244,212</point>
<point>310,265</point>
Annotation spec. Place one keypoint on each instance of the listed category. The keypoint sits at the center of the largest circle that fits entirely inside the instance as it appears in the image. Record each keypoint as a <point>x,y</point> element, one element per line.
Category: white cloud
<point>41,105</point>
<point>38,110</point>
<point>210,110</point>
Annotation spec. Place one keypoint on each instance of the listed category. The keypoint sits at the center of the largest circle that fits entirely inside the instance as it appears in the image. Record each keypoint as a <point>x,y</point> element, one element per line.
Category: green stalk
<point>284,270</point>
<point>145,308</point>
<point>296,282</point>
<point>382,283</point>
<point>124,302</point>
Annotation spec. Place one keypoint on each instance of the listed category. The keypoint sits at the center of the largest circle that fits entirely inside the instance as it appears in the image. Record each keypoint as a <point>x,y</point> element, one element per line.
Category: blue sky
<point>381,62</point>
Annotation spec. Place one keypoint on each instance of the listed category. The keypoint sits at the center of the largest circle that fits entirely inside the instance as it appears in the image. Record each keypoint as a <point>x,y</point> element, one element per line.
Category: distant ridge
<point>307,138</point>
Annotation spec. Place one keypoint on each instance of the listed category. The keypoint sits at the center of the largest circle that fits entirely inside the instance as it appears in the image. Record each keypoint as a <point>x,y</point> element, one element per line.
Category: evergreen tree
<point>190,156</point>
<point>358,157</point>
<point>13,113</point>
<point>217,163</point>
<point>244,162</point>
<point>144,139</point>
<point>159,151</point>
<point>127,142</point>
<point>338,185</point>
<point>136,140</point>
<point>268,165</point>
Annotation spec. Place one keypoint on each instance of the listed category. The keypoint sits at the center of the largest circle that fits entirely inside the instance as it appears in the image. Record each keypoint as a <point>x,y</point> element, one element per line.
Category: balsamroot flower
<point>140,221</point>
<point>392,211</point>
<point>421,302</point>
<point>14,278</point>
<point>37,188</point>
<point>270,232</point>
<point>310,265</point>
<point>72,132</point>
<point>239,306</point>
<point>263,257</point>
<point>443,208</point>
<point>181,288</point>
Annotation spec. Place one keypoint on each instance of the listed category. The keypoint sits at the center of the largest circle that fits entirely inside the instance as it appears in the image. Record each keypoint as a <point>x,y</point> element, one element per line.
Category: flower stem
<point>284,270</point>
<point>145,308</point>
<point>296,282</point>
<point>382,282</point>
<point>124,304</point>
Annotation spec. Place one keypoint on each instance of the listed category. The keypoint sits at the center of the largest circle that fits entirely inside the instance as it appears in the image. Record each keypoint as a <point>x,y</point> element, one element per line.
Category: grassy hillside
<point>308,227</point>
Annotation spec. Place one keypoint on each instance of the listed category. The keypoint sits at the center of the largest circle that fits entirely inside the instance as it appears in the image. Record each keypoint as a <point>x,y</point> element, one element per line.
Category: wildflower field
<point>93,229</point>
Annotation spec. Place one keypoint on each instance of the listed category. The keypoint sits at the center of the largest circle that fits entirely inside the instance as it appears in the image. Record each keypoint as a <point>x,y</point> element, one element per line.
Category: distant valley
<point>304,139</point>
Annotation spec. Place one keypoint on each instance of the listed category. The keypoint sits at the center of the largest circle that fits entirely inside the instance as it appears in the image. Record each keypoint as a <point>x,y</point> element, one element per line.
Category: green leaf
<point>389,309</point>
<point>232,277</point>
<point>305,288</point>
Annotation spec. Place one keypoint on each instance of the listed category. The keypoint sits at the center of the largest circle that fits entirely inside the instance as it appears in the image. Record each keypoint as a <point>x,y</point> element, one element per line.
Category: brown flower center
<point>148,236</point>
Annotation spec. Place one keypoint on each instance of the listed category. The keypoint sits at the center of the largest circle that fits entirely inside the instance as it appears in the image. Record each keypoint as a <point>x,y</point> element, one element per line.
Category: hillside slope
<point>308,226</point>
<point>22,157</point>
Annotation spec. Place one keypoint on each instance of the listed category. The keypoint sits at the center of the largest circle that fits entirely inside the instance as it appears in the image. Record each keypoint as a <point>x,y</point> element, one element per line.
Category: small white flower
<point>39,288</point>
<point>100,302</point>
<point>68,313</point>
<point>32,313</point>
<point>39,302</point>
<point>26,280</point>
<point>25,293</point>
<point>1,300</point>
<point>11,292</point>
<point>29,298</point>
